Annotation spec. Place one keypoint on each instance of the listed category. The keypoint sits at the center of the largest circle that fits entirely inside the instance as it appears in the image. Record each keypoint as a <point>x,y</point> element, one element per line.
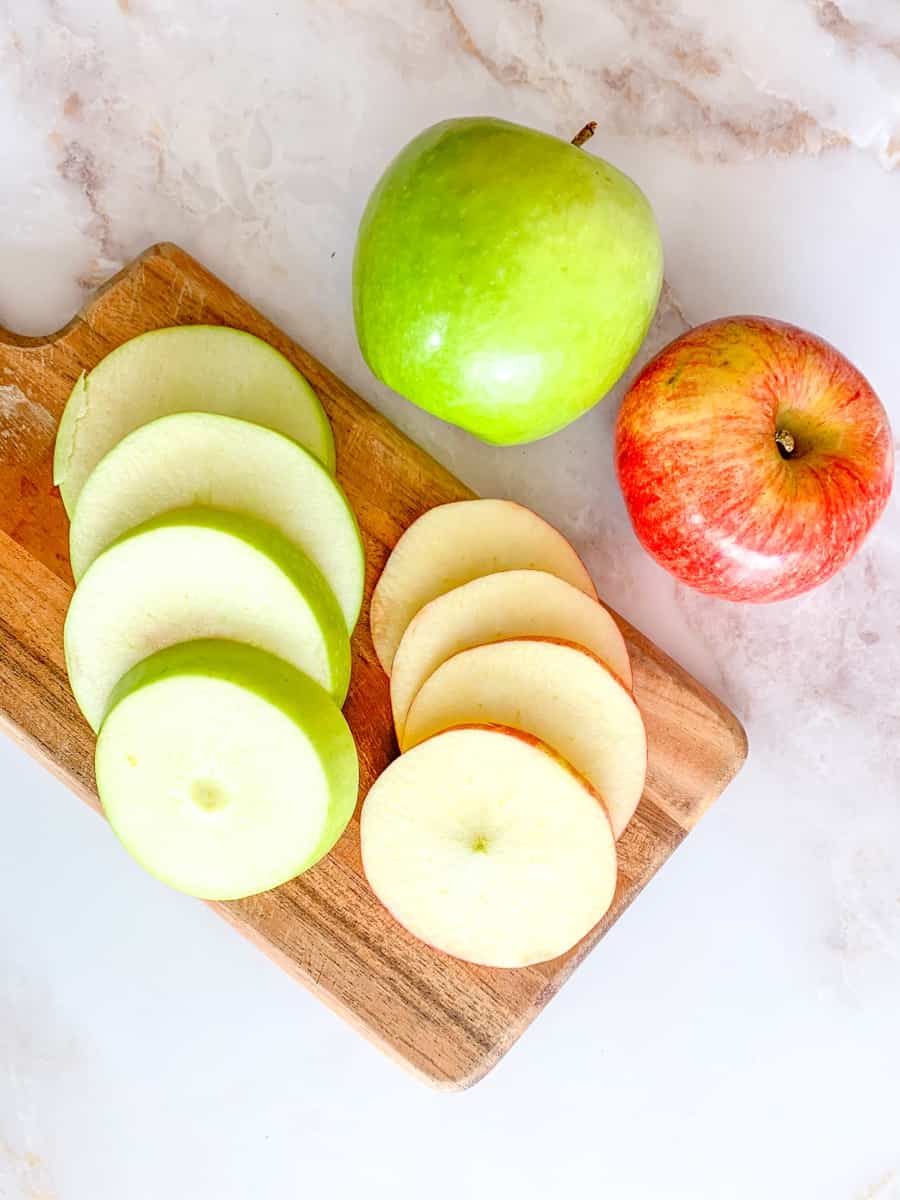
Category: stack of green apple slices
<point>219,573</point>
<point>493,836</point>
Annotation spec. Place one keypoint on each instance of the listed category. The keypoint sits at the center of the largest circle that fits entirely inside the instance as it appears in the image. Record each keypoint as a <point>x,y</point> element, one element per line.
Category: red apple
<point>754,459</point>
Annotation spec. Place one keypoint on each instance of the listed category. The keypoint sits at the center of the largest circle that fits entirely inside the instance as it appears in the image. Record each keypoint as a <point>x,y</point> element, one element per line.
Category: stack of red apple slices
<point>219,574</point>
<point>493,836</point>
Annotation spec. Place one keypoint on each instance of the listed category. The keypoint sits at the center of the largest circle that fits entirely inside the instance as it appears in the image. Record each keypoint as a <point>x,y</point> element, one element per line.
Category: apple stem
<point>784,440</point>
<point>585,133</point>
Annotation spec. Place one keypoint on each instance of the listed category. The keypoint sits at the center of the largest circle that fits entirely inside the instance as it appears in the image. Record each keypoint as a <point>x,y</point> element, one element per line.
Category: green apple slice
<point>224,771</point>
<point>221,462</point>
<point>199,573</point>
<point>487,845</point>
<point>196,368</point>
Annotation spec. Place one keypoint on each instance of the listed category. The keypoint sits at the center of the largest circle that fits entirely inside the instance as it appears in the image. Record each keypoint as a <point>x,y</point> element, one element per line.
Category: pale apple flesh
<point>494,608</point>
<point>188,368</point>
<point>485,844</point>
<point>754,459</point>
<point>224,771</point>
<point>503,279</point>
<point>220,462</point>
<point>455,543</point>
<point>194,574</point>
<point>554,690</point>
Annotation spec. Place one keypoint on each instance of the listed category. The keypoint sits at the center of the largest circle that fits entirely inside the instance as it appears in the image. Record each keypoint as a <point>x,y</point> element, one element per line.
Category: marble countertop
<point>736,1034</point>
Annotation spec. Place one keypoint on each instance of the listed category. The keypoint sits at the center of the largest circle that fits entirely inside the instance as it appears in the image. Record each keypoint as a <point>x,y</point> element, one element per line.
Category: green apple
<point>199,573</point>
<point>189,368</point>
<point>220,462</point>
<point>489,846</point>
<point>223,770</point>
<point>503,279</point>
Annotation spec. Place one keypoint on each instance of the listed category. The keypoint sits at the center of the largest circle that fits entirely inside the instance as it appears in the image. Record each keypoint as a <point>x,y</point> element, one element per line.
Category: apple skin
<point>710,493</point>
<point>503,279</point>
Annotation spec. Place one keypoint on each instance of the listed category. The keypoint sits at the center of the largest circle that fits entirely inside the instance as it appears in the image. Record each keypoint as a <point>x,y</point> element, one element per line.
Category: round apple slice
<point>554,690</point>
<point>189,368</point>
<point>221,462</point>
<point>495,608</point>
<point>487,845</point>
<point>199,573</point>
<point>454,543</point>
<point>223,770</point>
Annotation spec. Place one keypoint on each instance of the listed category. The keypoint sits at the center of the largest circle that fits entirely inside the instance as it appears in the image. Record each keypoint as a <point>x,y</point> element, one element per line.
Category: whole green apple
<point>503,279</point>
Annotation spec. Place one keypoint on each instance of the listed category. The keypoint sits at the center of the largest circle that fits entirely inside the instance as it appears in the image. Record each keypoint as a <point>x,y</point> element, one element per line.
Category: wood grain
<point>446,1020</point>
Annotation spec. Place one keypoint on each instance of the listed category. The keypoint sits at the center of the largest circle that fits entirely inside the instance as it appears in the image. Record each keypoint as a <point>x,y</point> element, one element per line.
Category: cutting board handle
<point>21,341</point>
<point>133,271</point>
<point>45,368</point>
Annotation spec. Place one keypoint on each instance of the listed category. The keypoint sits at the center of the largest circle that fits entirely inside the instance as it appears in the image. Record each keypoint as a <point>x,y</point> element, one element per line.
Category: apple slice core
<point>554,690</point>
<point>455,543</point>
<point>486,845</point>
<point>494,608</point>
<point>223,770</point>
<point>187,368</point>
<point>199,573</point>
<point>220,462</point>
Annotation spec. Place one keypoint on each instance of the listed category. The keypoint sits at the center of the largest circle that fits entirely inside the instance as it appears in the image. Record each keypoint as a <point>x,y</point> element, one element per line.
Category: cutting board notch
<point>446,1020</point>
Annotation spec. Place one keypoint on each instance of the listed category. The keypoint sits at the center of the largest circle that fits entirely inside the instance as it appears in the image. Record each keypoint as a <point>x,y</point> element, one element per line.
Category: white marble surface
<point>736,1035</point>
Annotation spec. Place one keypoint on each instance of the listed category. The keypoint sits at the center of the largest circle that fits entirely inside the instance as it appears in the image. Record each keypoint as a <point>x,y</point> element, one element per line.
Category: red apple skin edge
<point>754,459</point>
<point>536,741</point>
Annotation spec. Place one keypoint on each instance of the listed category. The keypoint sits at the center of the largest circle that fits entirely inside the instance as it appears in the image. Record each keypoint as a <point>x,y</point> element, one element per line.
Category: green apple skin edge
<point>200,573</point>
<point>503,279</point>
<point>186,368</point>
<point>223,771</point>
<point>220,462</point>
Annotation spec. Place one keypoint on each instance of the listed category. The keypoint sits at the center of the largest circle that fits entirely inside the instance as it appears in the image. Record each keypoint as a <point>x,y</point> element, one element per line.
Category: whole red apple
<point>754,458</point>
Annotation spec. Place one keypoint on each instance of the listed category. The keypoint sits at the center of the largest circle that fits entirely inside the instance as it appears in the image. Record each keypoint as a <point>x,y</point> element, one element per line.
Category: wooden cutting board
<point>446,1020</point>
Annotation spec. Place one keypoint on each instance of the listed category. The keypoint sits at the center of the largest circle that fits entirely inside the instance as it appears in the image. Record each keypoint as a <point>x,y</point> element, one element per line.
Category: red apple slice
<point>495,608</point>
<point>557,692</point>
<point>454,543</point>
<point>488,846</point>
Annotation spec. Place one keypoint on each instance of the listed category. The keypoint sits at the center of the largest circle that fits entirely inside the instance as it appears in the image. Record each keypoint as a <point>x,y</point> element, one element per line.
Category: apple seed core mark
<point>208,796</point>
<point>784,440</point>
